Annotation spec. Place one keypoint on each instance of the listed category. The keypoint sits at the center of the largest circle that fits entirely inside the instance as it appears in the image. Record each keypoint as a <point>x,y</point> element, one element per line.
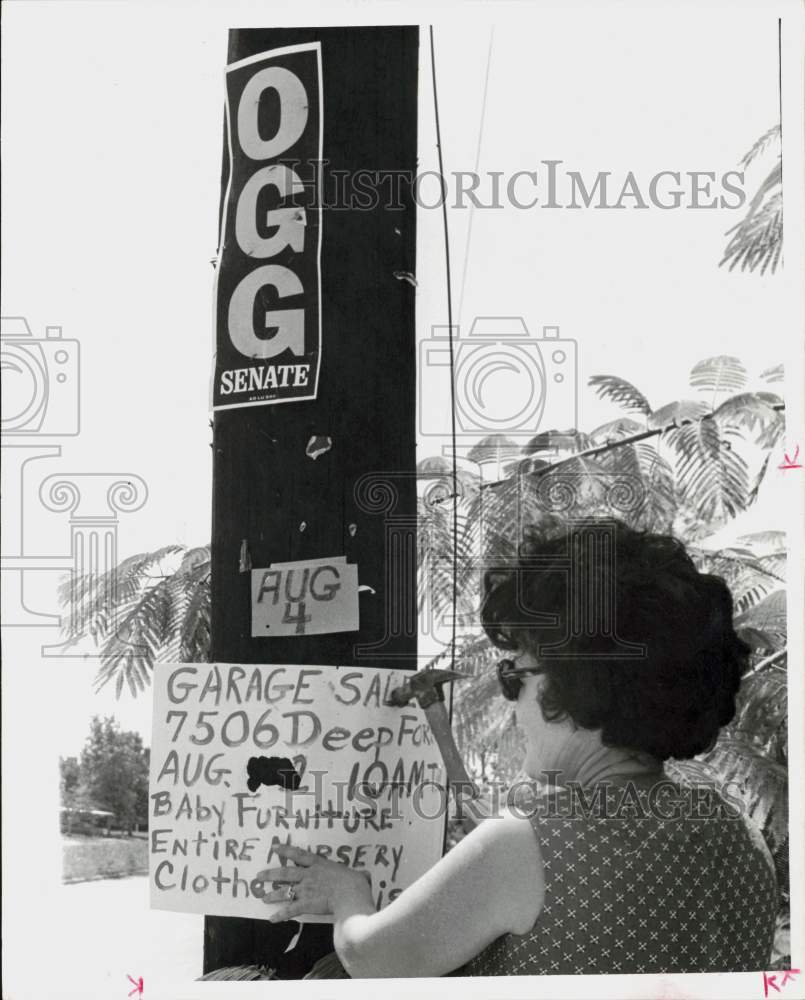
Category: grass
<point>88,858</point>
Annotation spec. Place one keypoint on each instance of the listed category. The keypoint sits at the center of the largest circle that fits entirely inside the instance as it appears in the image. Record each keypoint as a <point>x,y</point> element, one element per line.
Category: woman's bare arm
<point>490,884</point>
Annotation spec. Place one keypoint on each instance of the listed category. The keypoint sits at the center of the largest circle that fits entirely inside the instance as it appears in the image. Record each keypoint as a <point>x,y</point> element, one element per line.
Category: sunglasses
<point>511,676</point>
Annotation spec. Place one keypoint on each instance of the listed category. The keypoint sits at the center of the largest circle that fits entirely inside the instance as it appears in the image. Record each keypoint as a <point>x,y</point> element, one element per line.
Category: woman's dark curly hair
<point>668,698</point>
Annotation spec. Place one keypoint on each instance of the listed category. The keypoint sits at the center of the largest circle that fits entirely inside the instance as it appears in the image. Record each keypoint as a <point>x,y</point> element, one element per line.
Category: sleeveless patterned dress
<point>653,880</point>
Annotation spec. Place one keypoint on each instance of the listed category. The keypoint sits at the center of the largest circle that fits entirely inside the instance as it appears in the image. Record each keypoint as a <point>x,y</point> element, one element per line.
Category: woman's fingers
<point>287,875</point>
<point>295,854</point>
<point>299,908</point>
<point>277,896</point>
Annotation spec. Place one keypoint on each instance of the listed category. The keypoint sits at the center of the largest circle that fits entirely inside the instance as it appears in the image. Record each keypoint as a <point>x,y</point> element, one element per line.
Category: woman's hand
<point>314,885</point>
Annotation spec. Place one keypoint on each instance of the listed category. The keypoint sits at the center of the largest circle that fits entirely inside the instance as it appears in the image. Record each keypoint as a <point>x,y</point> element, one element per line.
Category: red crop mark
<point>790,463</point>
<point>770,980</point>
<point>138,986</point>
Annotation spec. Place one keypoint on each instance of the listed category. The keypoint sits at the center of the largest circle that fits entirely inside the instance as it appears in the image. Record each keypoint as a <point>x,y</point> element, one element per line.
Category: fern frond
<point>757,241</point>
<point>759,642</point>
<point>739,766</point>
<point>770,435</point>
<point>761,782</point>
<point>493,447</point>
<point>683,409</point>
<point>775,540</point>
<point>99,601</point>
<point>712,474</point>
<point>719,374</point>
<point>772,135</point>
<point>774,374</point>
<point>750,410</point>
<point>775,563</point>
<point>748,578</point>
<point>762,713</point>
<point>614,430</point>
<point>619,391</point>
<point>152,622</point>
<point>768,616</point>
<point>195,630</point>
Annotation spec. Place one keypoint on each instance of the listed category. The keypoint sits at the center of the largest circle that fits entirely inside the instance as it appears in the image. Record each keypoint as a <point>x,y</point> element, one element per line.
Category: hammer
<point>426,687</point>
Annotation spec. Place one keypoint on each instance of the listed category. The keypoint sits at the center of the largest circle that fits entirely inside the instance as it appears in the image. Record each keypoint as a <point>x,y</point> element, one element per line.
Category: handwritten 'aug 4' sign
<point>310,597</point>
<point>247,757</point>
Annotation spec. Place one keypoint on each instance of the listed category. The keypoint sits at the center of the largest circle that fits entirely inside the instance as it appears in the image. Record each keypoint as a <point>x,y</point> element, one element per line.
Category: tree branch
<point>620,443</point>
<point>600,450</point>
<point>769,661</point>
<point>719,554</point>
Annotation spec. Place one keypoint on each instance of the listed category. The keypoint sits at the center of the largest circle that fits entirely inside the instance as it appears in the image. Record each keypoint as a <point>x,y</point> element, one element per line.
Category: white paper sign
<point>311,597</point>
<point>364,782</point>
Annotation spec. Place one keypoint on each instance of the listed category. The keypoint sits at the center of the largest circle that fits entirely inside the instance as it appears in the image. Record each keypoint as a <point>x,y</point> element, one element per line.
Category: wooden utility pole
<point>272,501</point>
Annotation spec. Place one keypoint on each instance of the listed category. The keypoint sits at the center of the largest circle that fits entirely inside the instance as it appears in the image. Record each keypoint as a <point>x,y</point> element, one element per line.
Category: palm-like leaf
<point>555,442</point>
<point>759,782</point>
<point>767,616</point>
<point>614,430</point>
<point>480,713</point>
<point>754,411</point>
<point>144,611</point>
<point>712,474</point>
<point>759,642</point>
<point>774,563</point>
<point>438,564</point>
<point>749,577</point>
<point>757,240</point>
<point>683,409</point>
<point>639,487</point>
<point>764,540</point>
<point>762,712</point>
<point>493,447</point>
<point>619,391</point>
<point>98,602</point>
<point>719,374</point>
<point>773,374</point>
<point>770,137</point>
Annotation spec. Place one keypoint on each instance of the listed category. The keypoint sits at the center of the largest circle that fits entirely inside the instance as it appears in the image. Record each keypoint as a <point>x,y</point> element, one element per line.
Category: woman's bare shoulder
<point>510,846</point>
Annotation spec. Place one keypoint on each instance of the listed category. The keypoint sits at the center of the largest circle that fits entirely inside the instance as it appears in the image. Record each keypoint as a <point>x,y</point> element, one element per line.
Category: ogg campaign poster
<point>268,273</point>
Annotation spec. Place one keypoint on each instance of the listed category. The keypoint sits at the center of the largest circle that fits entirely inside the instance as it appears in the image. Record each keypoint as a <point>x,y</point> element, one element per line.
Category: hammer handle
<point>436,715</point>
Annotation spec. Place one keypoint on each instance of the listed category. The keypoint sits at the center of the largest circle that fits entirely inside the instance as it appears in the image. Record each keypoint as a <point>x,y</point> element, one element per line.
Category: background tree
<point>757,240</point>
<point>114,771</point>
<point>69,780</point>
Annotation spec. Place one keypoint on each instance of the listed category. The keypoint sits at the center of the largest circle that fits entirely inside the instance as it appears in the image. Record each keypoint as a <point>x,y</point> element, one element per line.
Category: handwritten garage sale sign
<point>245,757</point>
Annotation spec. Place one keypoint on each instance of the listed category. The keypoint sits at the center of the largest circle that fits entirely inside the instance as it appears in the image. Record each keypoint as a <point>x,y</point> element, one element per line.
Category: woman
<point>600,864</point>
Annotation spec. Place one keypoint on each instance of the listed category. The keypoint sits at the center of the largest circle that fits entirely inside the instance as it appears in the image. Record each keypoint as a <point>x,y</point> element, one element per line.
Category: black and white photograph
<point>403,447</point>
